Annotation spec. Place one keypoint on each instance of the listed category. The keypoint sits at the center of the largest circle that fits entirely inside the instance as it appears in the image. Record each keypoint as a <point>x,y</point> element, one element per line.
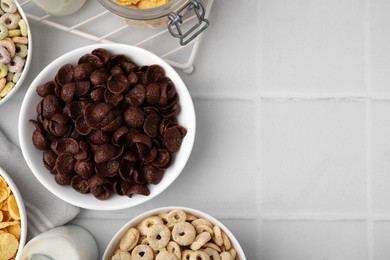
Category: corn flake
<point>8,246</point>
<point>15,230</point>
<point>13,207</point>
<point>3,194</point>
<point>3,184</point>
<point>141,4</point>
<point>10,229</point>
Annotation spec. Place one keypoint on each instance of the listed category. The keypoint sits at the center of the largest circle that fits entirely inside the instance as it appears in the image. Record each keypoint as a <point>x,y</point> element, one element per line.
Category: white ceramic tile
<point>380,45</point>
<point>298,240</point>
<point>313,46</point>
<point>381,156</point>
<point>313,157</point>
<point>219,175</point>
<point>381,240</point>
<point>226,61</point>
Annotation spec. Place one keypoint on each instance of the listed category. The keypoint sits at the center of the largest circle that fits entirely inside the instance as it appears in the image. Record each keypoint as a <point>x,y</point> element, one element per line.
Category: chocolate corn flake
<point>106,125</point>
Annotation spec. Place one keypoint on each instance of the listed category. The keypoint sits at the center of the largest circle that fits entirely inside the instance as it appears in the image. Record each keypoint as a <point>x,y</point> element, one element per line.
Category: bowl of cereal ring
<point>174,233</point>
<point>15,48</point>
<point>13,219</point>
<point>107,126</point>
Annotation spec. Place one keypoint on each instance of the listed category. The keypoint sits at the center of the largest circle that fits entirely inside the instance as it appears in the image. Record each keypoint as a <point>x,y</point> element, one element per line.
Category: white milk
<point>60,7</point>
<point>61,243</point>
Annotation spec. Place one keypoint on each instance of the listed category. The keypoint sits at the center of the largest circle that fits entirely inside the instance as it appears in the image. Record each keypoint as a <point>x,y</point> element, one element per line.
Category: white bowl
<point>27,64</point>
<point>114,243</point>
<point>22,211</point>
<point>33,156</point>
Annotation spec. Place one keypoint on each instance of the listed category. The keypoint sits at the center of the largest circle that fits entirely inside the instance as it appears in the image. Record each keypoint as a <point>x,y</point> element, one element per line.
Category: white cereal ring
<point>202,228</point>
<point>146,224</point>
<point>164,216</point>
<point>9,45</point>
<point>200,240</point>
<point>5,57</point>
<point>201,221</point>
<point>226,241</point>
<point>158,236</point>
<point>3,70</point>
<point>174,248</point>
<point>165,255</point>
<point>16,64</point>
<point>8,6</point>
<point>23,27</point>
<point>212,253</point>
<point>10,20</point>
<point>122,255</point>
<point>185,255</point>
<point>199,255</point>
<point>213,246</point>
<point>183,233</point>
<point>129,239</point>
<point>142,252</point>
<point>175,216</point>
<point>158,251</point>
<point>191,217</point>
<point>3,31</point>
<point>21,50</point>
<point>233,252</point>
<point>217,236</point>
<point>226,256</point>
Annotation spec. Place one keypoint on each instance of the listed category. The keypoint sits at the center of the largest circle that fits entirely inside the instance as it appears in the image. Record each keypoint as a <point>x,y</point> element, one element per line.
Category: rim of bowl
<point>22,210</point>
<point>66,193</point>
<point>110,249</point>
<point>28,60</point>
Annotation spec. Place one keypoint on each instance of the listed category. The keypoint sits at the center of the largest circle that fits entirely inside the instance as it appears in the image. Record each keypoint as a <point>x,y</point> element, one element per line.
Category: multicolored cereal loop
<point>13,46</point>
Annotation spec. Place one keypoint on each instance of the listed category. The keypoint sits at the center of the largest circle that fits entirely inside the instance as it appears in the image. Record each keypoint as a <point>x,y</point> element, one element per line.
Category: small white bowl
<point>114,243</point>
<point>22,211</point>
<point>27,64</point>
<point>33,156</point>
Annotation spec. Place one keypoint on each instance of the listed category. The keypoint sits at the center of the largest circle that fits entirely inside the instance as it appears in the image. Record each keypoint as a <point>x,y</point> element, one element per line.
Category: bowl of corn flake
<point>15,48</point>
<point>13,219</point>
<point>174,233</point>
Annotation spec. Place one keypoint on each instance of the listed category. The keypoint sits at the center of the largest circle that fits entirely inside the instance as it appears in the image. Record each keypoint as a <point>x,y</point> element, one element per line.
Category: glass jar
<point>170,14</point>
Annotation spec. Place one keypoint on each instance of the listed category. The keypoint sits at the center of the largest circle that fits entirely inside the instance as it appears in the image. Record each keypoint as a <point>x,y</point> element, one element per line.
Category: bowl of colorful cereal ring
<point>174,233</point>
<point>15,48</point>
<point>107,126</point>
<point>13,219</point>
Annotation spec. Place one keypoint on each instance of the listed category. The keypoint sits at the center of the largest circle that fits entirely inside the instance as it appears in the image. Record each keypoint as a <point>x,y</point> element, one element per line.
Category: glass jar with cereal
<point>157,13</point>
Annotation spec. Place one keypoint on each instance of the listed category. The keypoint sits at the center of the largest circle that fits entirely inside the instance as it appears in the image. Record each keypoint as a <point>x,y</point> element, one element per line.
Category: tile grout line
<point>369,179</point>
<point>369,122</point>
<point>284,97</point>
<point>259,177</point>
<point>258,131</point>
<point>264,217</point>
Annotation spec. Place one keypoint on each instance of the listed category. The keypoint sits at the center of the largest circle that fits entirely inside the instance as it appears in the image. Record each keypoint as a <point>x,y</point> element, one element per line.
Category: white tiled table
<point>293,137</point>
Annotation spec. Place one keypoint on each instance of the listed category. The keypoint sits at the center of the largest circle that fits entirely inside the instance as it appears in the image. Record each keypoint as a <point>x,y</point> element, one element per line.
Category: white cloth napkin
<point>44,210</point>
